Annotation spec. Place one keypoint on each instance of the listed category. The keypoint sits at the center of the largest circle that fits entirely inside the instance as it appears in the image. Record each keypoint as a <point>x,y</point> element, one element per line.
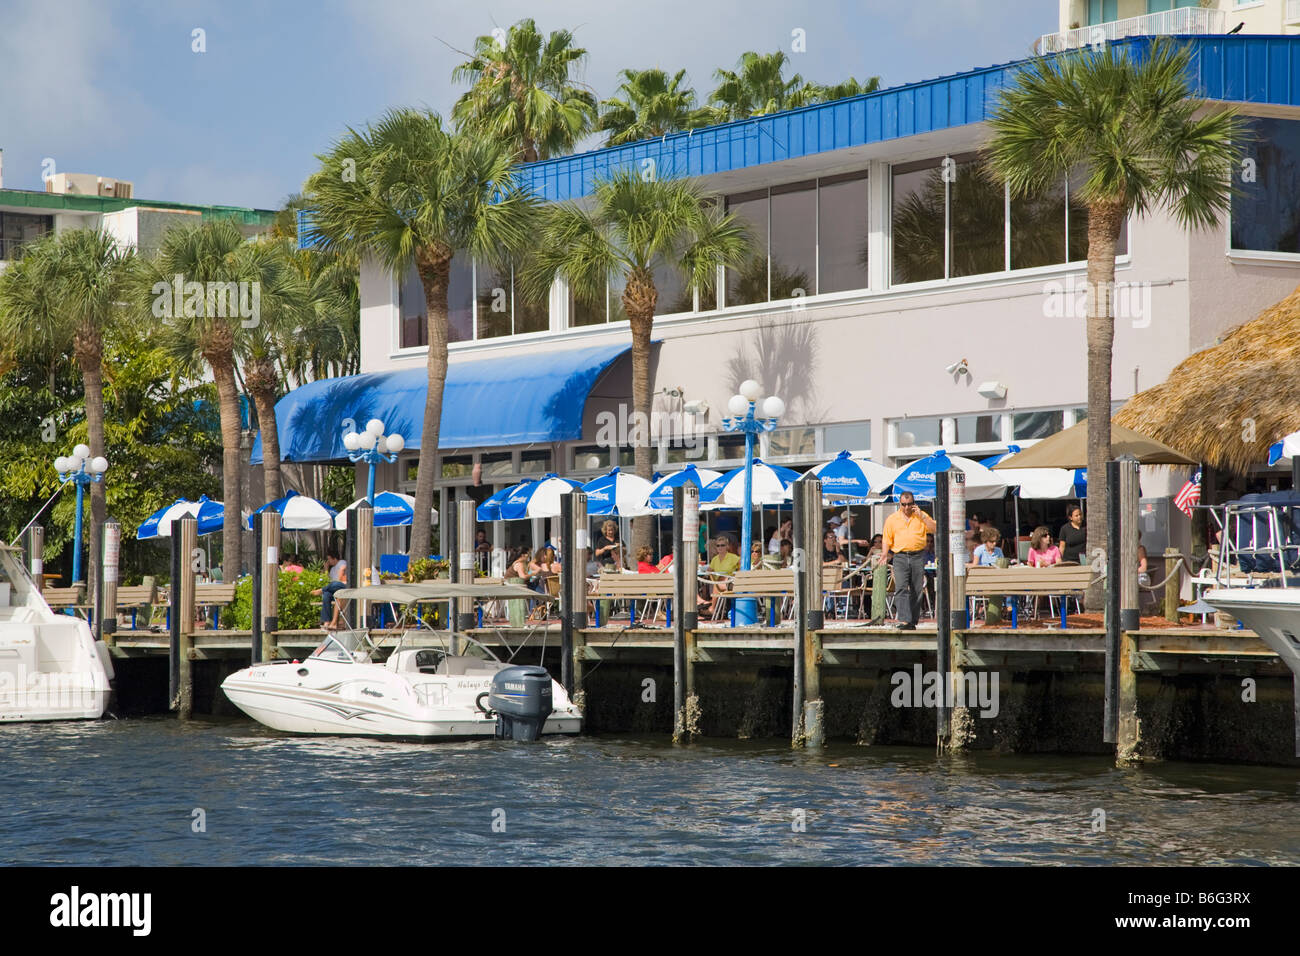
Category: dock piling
<point>577,534</point>
<point>185,538</point>
<point>808,721</point>
<point>464,565</point>
<point>269,559</point>
<point>36,555</point>
<point>943,574</point>
<point>106,613</point>
<point>1173,557</point>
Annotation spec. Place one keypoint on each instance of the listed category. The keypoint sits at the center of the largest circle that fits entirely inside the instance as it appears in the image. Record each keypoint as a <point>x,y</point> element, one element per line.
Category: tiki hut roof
<point>1227,403</point>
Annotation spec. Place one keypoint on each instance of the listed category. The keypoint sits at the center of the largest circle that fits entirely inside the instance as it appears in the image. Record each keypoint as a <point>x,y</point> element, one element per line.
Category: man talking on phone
<point>904,541</point>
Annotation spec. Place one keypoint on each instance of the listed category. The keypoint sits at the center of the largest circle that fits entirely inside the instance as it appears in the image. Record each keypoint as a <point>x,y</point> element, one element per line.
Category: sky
<point>116,87</point>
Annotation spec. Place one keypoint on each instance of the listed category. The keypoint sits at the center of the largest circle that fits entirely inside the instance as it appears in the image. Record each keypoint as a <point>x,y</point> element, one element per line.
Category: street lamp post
<point>369,446</point>
<point>82,470</point>
<point>743,420</point>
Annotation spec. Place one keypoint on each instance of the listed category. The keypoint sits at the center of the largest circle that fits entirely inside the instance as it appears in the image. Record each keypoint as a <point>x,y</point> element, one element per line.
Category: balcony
<point>1183,21</point>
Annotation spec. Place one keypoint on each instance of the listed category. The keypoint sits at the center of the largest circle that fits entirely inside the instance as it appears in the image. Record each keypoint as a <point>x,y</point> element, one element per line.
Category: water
<point>124,793</point>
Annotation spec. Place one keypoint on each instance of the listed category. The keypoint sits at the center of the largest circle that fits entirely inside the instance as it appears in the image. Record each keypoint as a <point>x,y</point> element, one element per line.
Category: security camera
<point>960,368</point>
<point>697,407</point>
<point>673,392</point>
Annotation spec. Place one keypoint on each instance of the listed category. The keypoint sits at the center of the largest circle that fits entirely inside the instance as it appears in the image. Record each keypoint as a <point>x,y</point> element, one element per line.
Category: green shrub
<point>423,569</point>
<point>299,608</point>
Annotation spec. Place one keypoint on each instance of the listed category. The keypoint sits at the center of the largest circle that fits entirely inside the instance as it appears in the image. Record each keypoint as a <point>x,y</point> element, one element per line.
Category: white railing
<point>1180,21</point>
<point>1292,11</point>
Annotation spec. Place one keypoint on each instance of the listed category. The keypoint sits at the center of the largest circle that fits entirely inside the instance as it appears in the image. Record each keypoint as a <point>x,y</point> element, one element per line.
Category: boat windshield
<point>338,647</point>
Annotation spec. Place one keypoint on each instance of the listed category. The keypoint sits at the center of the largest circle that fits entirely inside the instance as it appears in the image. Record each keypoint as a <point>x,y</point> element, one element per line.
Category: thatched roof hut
<point>1227,403</point>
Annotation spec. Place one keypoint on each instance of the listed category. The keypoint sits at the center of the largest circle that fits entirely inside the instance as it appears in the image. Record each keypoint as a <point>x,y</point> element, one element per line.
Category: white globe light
<point>366,440</point>
<point>375,427</point>
<point>99,465</point>
<point>396,443</point>
<point>738,405</point>
<point>81,451</point>
<point>62,465</point>
<point>351,441</point>
<point>773,407</point>
<point>751,390</point>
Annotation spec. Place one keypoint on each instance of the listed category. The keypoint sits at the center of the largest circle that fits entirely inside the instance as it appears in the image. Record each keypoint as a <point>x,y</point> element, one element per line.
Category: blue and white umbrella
<point>1286,448</point>
<point>298,513</point>
<point>392,510</point>
<point>537,499</point>
<point>847,477</point>
<point>728,490</point>
<point>616,493</point>
<point>211,516</point>
<point>918,478</point>
<point>659,499</point>
<point>490,509</point>
<point>1050,483</point>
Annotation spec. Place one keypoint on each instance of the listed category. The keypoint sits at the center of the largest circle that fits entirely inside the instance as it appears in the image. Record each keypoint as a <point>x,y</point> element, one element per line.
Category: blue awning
<point>506,400</point>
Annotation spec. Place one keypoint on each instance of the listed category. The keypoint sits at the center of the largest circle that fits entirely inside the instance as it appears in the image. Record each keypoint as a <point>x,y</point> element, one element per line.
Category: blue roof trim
<point>1240,68</point>
<point>503,400</point>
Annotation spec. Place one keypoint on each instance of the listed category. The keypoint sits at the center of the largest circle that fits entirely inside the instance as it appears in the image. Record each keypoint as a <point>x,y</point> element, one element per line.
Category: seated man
<point>338,572</point>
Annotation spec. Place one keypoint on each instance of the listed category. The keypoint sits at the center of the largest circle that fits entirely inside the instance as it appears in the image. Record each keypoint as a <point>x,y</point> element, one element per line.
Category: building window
<point>917,216</point>
<point>842,228</point>
<point>457,466</point>
<point>977,429</point>
<point>793,241</point>
<point>414,314</point>
<point>792,441</point>
<point>748,284</point>
<point>853,437</point>
<point>590,458</point>
<point>493,300</point>
<point>731,447</point>
<point>534,462</point>
<point>976,219</point>
<point>17,229</point>
<point>1036,424</point>
<point>1266,212</point>
<point>497,464</point>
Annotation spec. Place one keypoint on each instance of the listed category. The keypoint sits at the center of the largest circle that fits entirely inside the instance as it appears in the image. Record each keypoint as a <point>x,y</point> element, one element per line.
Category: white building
<point>887,259</point>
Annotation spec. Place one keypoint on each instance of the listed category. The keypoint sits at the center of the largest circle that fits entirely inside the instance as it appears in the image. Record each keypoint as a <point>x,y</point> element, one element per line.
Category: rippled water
<point>124,792</point>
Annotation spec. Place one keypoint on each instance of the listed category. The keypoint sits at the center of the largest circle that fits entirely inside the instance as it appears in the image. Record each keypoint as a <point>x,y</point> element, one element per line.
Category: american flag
<point>1190,495</point>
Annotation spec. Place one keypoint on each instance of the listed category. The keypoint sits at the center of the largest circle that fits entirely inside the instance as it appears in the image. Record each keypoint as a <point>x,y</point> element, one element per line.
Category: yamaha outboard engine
<point>521,698</point>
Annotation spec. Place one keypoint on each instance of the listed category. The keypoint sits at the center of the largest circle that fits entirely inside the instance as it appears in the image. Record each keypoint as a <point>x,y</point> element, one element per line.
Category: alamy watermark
<point>226,300</point>
<point>624,427</point>
<point>39,691</point>
<point>920,688</point>
<point>1078,298</point>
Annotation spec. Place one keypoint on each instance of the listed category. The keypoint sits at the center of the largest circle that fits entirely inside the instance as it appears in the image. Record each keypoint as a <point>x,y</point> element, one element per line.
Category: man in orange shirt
<point>904,541</point>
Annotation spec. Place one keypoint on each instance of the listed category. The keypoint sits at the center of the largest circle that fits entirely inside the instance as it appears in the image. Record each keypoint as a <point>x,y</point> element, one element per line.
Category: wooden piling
<point>1172,560</point>
<point>110,537</point>
<point>568,594</point>
<point>465,565</point>
<point>808,721</point>
<point>183,591</point>
<point>362,573</point>
<point>1128,739</point>
<point>578,588</point>
<point>956,732</point>
<point>942,598</point>
<point>269,558</point>
<point>36,555</point>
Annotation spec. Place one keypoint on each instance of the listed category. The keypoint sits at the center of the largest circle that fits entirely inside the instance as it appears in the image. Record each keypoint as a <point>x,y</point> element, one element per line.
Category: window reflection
<point>977,219</point>
<point>413,310</point>
<point>1266,212</point>
<point>917,215</point>
<point>493,292</point>
<point>794,240</point>
<point>843,225</point>
<point>1038,229</point>
<point>748,284</point>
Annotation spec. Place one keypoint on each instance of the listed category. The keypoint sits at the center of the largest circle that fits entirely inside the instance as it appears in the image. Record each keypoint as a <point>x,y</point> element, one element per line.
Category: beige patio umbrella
<point>1069,449</point>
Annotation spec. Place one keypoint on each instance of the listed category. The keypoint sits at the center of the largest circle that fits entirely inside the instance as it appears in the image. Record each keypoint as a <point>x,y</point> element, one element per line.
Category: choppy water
<point>124,792</point>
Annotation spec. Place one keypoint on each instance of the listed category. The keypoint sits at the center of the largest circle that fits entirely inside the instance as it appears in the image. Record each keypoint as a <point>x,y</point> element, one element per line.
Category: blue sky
<point>114,88</point>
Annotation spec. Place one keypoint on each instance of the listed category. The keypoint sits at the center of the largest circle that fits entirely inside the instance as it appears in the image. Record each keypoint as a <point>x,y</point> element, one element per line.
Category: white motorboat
<point>1272,613</point>
<point>51,667</point>
<point>419,692</point>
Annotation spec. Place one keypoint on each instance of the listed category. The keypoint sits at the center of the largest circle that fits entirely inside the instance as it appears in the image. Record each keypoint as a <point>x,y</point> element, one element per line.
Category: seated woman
<point>1042,552</point>
<point>831,549</point>
<point>723,565</point>
<point>645,561</point>
<point>987,553</point>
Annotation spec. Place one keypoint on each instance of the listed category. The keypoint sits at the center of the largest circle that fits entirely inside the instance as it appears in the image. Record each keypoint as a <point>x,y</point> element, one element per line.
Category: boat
<point>51,666</point>
<point>1272,613</point>
<point>425,692</point>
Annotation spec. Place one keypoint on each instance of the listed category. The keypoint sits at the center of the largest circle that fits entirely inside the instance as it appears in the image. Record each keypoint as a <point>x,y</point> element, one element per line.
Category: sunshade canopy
<point>1069,449</point>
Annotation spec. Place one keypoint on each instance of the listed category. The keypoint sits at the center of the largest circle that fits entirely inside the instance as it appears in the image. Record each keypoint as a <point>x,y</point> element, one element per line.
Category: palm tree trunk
<point>223,371</point>
<point>1104,223</point>
<point>434,267</point>
<point>264,402</point>
<point>90,358</point>
<point>639,299</point>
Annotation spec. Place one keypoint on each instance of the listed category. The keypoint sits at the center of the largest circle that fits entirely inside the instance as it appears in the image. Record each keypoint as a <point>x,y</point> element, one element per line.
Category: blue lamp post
<point>372,447</point>
<point>83,471</point>
<point>743,420</point>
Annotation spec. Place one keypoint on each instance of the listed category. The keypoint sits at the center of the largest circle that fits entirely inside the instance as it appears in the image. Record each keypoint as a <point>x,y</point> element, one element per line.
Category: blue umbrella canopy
<point>392,509</point>
<point>490,509</point>
<point>298,513</point>
<point>616,493</point>
<point>210,516</point>
<point>771,483</point>
<point>660,497</point>
<point>918,478</point>
<point>846,476</point>
<point>537,499</point>
<point>1286,448</point>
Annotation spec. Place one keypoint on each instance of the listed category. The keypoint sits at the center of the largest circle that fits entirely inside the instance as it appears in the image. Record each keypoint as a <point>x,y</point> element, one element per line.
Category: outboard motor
<point>521,698</point>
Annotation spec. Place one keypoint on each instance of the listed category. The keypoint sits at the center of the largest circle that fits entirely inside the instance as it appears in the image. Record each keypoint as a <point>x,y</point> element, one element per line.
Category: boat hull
<point>1272,613</point>
<point>369,700</point>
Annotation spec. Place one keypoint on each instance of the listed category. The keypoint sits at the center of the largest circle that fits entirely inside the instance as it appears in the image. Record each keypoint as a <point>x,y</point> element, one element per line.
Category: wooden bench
<point>619,586</point>
<point>215,596</point>
<point>779,583</point>
<point>1023,581</point>
<point>65,598</point>
<point>136,597</point>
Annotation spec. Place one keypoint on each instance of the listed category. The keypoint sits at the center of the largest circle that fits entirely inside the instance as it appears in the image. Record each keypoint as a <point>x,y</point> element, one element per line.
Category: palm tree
<point>652,104</point>
<point>285,309</point>
<point>328,343</point>
<point>407,191</point>
<point>847,88</point>
<point>1132,129</point>
<point>630,227</point>
<point>63,297</point>
<point>758,86</point>
<point>521,92</point>
<point>227,290</point>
